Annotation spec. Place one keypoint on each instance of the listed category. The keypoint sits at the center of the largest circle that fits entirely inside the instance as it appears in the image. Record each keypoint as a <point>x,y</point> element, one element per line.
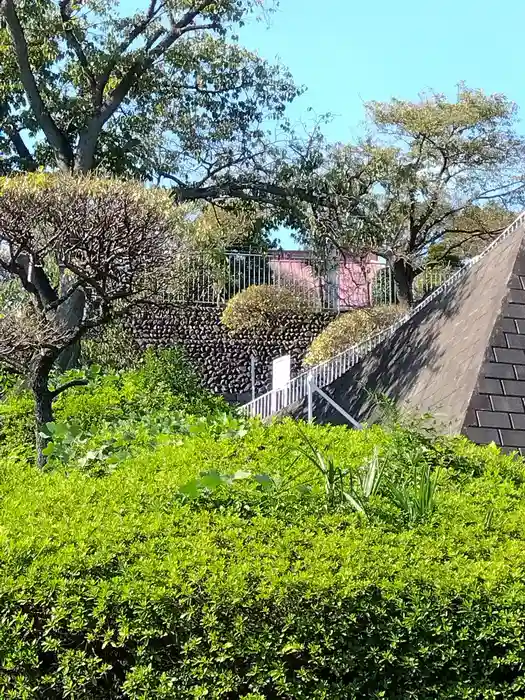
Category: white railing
<point>210,279</point>
<point>325,373</point>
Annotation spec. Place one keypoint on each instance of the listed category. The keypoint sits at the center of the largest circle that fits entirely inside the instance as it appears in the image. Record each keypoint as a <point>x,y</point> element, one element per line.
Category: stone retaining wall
<point>223,358</point>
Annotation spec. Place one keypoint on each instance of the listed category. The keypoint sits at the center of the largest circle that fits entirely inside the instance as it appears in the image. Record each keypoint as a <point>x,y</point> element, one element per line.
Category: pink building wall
<point>351,281</point>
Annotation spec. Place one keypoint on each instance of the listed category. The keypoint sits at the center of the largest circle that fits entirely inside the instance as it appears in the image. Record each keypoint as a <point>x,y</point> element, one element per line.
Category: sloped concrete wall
<point>432,363</point>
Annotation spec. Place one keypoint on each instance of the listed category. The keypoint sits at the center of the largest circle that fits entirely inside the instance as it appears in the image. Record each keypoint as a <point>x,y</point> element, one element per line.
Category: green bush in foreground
<point>126,586</point>
<point>162,393</point>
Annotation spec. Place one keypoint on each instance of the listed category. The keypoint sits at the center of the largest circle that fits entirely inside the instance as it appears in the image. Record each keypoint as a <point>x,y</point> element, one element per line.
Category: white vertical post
<point>310,394</point>
<point>252,374</point>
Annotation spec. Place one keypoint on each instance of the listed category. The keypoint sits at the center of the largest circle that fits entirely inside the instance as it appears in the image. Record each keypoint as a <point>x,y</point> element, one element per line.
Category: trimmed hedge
<point>262,304</point>
<point>349,329</point>
<point>116,587</point>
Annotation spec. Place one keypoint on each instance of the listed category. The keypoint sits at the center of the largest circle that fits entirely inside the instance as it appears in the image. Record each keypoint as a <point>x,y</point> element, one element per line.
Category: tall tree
<point>470,232</point>
<point>164,94</point>
<point>424,169</point>
<point>166,91</point>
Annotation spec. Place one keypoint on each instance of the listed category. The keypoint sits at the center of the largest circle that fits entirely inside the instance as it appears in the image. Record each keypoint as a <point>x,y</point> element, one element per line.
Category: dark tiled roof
<point>461,358</point>
<point>496,410</point>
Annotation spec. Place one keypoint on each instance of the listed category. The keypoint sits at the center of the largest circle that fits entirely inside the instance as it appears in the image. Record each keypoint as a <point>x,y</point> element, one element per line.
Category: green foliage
<point>198,567</point>
<point>383,287</point>
<point>16,420</point>
<point>416,497</point>
<point>260,305</point>
<point>353,487</point>
<point>117,411</point>
<point>169,370</point>
<point>421,176</point>
<point>169,554</point>
<point>238,228</point>
<point>100,451</point>
<point>113,347</point>
<point>470,233</point>
<point>440,254</point>
<point>209,482</point>
<point>406,480</point>
<point>185,92</point>
<point>8,380</point>
<point>11,293</point>
<point>350,329</point>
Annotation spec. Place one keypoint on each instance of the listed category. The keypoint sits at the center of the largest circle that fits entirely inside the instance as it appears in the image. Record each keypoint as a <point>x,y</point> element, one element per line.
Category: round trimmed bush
<point>349,329</point>
<point>259,305</point>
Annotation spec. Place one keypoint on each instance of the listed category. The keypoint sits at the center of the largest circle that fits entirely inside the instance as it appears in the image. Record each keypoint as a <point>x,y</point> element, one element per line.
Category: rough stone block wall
<point>223,358</point>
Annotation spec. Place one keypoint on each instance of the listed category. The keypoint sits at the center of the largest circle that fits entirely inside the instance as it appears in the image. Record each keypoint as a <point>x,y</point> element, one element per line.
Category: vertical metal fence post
<point>252,368</point>
<point>310,394</point>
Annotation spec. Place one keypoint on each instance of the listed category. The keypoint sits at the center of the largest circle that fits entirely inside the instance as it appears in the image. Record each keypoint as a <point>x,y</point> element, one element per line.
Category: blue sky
<point>347,52</point>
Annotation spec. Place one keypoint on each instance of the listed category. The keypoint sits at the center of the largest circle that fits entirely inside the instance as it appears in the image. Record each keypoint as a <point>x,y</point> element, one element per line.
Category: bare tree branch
<point>68,385</point>
<point>88,139</point>
<point>75,45</point>
<point>26,157</point>
<point>249,190</point>
<point>138,29</point>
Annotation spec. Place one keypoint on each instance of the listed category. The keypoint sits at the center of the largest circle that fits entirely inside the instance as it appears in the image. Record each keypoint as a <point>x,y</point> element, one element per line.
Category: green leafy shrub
<point>8,380</point>
<point>123,587</point>
<point>11,293</point>
<point>16,420</point>
<point>113,347</point>
<point>349,329</point>
<point>169,371</point>
<point>163,394</point>
<point>170,368</point>
<point>258,305</point>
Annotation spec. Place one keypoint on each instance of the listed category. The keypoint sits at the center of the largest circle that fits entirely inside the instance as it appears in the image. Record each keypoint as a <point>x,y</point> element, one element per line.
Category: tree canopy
<point>423,176</point>
<point>167,94</point>
<point>163,92</point>
<point>110,242</point>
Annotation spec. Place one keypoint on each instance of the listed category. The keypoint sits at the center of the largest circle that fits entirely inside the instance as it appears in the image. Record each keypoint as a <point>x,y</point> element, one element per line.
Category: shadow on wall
<point>431,364</point>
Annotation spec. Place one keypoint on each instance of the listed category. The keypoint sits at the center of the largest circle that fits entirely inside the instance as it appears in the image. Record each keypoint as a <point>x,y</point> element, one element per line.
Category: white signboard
<point>281,368</point>
<point>280,378</point>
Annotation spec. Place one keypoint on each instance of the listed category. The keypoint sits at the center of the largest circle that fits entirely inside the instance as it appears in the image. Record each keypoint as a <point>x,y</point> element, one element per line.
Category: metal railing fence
<point>325,373</point>
<point>212,279</point>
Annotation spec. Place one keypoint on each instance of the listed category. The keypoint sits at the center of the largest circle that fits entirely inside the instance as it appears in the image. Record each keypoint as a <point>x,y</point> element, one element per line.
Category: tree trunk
<point>55,137</point>
<point>43,410</point>
<point>87,145</point>
<point>404,275</point>
<point>71,313</point>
